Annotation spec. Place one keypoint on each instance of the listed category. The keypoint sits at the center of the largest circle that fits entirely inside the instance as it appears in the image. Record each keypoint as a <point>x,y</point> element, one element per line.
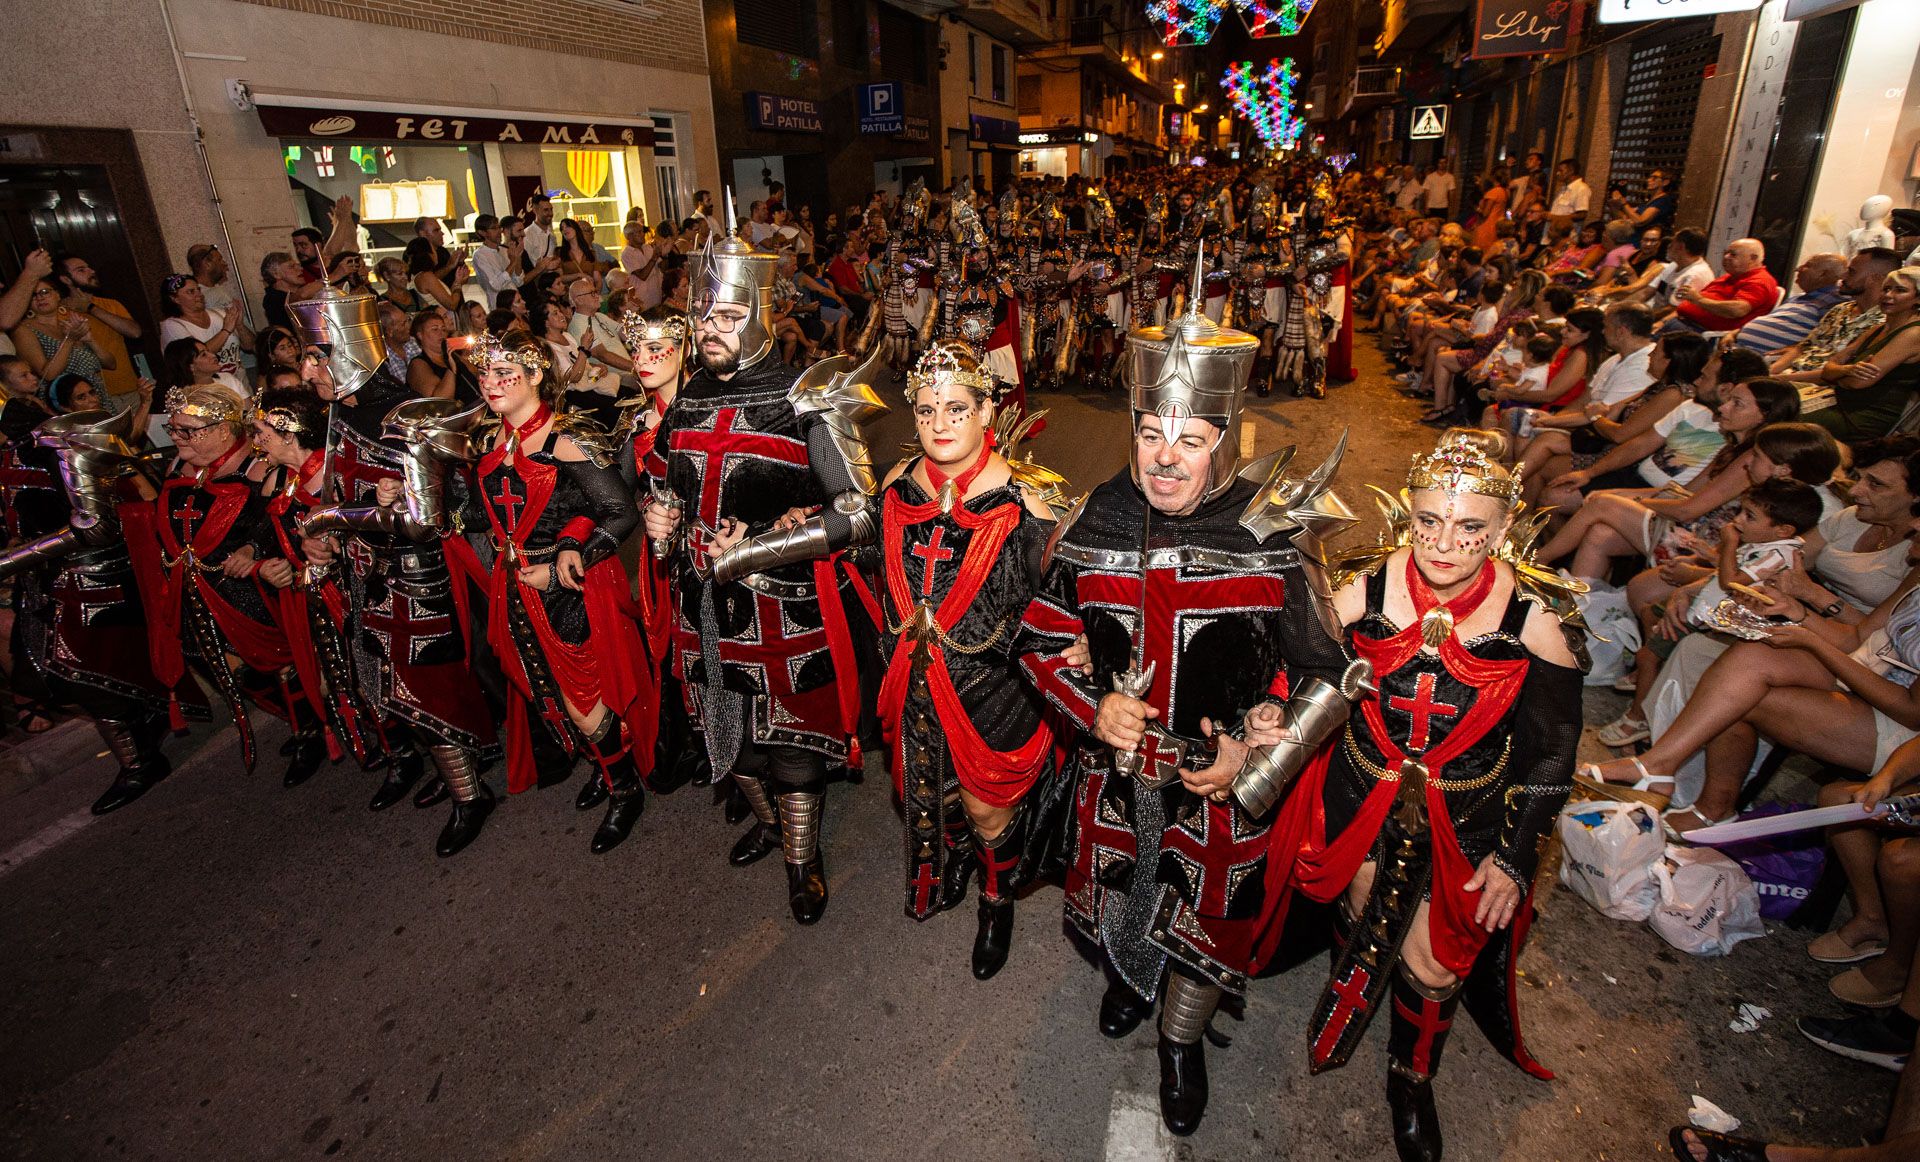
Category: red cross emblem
<point>924,881</point>
<point>187,517</point>
<point>932,553</point>
<point>509,502</point>
<point>1212,845</point>
<point>1424,710</point>
<point>1350,1003</point>
<point>773,649</point>
<point>722,441</point>
<point>402,635</point>
<point>1427,1026</point>
<point>1171,600</point>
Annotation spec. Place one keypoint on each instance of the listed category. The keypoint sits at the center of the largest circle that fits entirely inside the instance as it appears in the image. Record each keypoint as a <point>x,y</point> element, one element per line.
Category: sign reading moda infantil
<point>775,111</point>
<point>450,127</point>
<point>1520,27</point>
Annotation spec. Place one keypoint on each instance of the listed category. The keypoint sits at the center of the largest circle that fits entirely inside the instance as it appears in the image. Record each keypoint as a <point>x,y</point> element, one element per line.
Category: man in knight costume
<point>1302,359</point>
<point>1194,613</point>
<point>763,638</point>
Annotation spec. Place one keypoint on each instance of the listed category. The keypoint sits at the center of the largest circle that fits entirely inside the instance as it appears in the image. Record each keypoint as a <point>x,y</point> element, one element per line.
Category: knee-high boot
<point>1184,1013</point>
<point>472,799</point>
<point>309,745</point>
<point>615,770</point>
<point>1418,1032</point>
<point>801,807</point>
<point>405,765</point>
<point>999,863</point>
<point>135,746</point>
<point>761,838</point>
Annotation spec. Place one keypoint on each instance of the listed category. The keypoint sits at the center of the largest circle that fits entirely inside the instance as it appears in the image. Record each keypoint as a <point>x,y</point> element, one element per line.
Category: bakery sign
<point>448,128</point>
<point>1520,27</point>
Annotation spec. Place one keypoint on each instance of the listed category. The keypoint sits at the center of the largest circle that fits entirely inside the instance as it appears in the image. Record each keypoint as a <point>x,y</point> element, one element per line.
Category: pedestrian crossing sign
<point>1429,122</point>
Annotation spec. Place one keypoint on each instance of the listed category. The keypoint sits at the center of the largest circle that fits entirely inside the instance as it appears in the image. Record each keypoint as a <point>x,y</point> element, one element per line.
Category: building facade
<point>1095,95</point>
<point>234,122</point>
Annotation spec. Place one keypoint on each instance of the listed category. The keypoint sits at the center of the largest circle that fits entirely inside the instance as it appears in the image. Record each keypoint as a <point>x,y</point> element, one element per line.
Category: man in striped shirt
<point>1819,280</point>
<point>1858,311</point>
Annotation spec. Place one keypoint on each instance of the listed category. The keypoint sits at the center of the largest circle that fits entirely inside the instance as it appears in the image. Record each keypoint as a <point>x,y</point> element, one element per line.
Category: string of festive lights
<point>1186,22</point>
<point>1267,100</point>
<point>1265,18</point>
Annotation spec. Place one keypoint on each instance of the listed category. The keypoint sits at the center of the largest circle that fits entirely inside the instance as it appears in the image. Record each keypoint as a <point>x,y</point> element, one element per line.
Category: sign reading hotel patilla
<point>450,129</point>
<point>775,111</point>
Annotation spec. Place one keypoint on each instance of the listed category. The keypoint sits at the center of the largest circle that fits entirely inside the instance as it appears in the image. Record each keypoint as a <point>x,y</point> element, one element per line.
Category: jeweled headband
<point>489,349</point>
<point>283,420</point>
<point>942,363</point>
<point>218,410</point>
<point>1460,465</point>
<point>635,329</point>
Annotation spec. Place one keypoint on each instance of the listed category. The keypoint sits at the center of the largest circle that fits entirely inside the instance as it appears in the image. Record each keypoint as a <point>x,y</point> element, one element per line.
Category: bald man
<point>1744,293</point>
<point>1820,282</point>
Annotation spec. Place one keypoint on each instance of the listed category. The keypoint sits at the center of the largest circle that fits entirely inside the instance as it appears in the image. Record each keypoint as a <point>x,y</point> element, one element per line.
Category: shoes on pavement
<point>1624,731</point>
<point>1832,948</point>
<point>1853,987</point>
<point>1867,1039</point>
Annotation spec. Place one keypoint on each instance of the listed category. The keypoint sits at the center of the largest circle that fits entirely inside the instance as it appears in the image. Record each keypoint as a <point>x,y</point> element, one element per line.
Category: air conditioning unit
<point>1376,81</point>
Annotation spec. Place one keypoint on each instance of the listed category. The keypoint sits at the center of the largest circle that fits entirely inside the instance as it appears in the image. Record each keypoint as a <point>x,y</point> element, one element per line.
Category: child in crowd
<point>1760,541</point>
<point>1517,395</point>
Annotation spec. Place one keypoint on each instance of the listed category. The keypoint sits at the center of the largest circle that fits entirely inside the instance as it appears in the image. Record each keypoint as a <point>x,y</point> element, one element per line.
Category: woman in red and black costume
<point>289,429</point>
<point>962,536</point>
<point>561,617</point>
<point>200,576</point>
<point>1423,819</point>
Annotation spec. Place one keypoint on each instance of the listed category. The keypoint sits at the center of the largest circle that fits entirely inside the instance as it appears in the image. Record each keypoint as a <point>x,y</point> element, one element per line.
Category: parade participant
<point>1250,308</point>
<point>1315,253</point>
<point>1191,621</point>
<point>199,573</point>
<point>962,532</point>
<point>763,632</point>
<point>289,430</point>
<point>561,619</point>
<point>92,646</point>
<point>32,506</point>
<point>1425,820</point>
<point>408,643</point>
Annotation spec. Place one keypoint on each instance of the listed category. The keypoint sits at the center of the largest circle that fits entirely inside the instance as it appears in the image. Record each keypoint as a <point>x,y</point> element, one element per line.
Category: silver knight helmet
<point>1193,368</point>
<point>347,328</point>
<point>734,271</point>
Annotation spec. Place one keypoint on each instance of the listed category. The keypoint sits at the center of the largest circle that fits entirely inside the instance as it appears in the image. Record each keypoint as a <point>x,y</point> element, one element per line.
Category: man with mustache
<point>1195,616</point>
<point>763,641</point>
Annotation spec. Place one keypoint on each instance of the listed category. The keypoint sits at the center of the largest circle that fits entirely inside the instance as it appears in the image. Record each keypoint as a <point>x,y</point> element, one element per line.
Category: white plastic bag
<point>1610,850</point>
<point>1614,633</point>
<point>1707,904</point>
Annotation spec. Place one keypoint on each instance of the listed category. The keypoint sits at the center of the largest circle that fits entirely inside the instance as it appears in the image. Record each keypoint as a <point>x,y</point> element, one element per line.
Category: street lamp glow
<point>1159,54</point>
<point>1200,108</point>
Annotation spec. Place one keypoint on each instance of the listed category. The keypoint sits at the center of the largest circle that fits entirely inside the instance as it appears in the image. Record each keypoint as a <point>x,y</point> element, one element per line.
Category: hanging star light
<point>1267,100</point>
<point>1186,22</point>
<point>1266,18</point>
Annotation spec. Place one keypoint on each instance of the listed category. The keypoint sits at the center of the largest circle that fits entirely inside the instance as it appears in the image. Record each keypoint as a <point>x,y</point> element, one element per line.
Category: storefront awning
<point>307,115</point>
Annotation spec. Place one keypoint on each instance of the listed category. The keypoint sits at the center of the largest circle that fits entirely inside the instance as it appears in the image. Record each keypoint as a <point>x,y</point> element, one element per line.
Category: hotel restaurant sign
<point>449,129</point>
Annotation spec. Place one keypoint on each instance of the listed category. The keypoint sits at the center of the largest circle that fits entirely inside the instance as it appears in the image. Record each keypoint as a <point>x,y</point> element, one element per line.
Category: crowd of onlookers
<point>1732,467</point>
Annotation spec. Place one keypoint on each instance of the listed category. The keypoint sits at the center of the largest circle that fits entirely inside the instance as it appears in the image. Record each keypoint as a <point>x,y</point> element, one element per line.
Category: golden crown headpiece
<point>942,362</point>
<point>1459,464</point>
<point>283,420</point>
<point>524,351</point>
<point>206,406</point>
<point>635,329</point>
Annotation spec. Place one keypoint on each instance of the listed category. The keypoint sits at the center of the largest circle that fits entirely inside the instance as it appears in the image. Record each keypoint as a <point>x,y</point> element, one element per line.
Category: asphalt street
<point>230,970</point>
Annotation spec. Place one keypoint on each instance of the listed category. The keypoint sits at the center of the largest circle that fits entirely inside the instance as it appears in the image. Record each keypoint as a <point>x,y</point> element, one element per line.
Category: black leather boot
<point>309,751</point>
<point>734,806</point>
<point>433,791</point>
<point>800,813</point>
<point>763,838</point>
<point>1416,1035</point>
<point>994,939</point>
<point>472,799</point>
<point>141,763</point>
<point>593,792</point>
<point>624,805</point>
<point>1184,1013</point>
<point>404,768</point>
<point>1122,1009</point>
<point>674,739</point>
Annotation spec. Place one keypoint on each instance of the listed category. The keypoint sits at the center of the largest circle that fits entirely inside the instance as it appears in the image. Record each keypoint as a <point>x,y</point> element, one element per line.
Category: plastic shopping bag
<point>1610,851</point>
<point>1614,633</point>
<point>1707,904</point>
<point>1784,868</point>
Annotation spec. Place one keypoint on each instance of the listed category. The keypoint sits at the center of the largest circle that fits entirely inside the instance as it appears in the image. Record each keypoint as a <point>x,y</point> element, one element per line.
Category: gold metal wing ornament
<point>1010,430</point>
<point>594,441</point>
<point>1350,564</point>
<point>1305,505</point>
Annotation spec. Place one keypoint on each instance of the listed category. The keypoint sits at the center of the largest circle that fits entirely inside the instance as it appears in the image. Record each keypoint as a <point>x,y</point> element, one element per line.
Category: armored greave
<point>755,791</point>
<point>1188,1006</point>
<point>460,768</point>
<point>802,801</point>
<point>1421,1019</point>
<point>800,813</point>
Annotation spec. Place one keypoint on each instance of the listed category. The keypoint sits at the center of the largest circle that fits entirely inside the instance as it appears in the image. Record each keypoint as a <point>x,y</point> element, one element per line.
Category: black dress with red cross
<point>226,627</point>
<point>1228,624</point>
<point>954,708</point>
<point>559,646</point>
<point>1466,752</point>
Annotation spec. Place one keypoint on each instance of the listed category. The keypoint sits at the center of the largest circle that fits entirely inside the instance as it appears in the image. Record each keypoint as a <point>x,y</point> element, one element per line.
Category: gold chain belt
<point>947,643</point>
<point>1386,776</point>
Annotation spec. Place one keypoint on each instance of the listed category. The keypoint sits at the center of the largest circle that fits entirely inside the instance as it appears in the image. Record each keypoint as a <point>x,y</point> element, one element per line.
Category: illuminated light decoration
<point>1186,22</point>
<point>1339,162</point>
<point>1267,100</point>
<point>1265,18</point>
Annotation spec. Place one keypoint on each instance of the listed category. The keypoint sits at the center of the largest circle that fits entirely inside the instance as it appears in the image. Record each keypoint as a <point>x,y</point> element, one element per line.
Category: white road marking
<point>45,840</point>
<point>1135,1132</point>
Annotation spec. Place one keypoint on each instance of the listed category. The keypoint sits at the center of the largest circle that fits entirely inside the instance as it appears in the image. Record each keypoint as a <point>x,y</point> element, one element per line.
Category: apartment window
<point>1030,96</point>
<point>973,64</point>
<point>781,25</point>
<point>850,34</point>
<point>903,45</point>
<point>999,72</point>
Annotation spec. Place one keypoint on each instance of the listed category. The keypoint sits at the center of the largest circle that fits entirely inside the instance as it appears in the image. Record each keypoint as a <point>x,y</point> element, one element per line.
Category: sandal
<point>1720,1147</point>
<point>1641,790</point>
<point>1624,731</point>
<point>1832,948</point>
<point>29,711</point>
<point>1693,809</point>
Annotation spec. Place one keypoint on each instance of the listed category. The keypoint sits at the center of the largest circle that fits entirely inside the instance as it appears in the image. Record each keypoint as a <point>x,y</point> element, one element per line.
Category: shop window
<point>781,25</point>
<point>391,184</point>
<point>591,187</point>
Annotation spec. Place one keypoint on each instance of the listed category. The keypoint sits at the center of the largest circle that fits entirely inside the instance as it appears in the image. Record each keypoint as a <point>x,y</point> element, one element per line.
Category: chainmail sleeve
<point>1546,738</point>
<point>610,506</point>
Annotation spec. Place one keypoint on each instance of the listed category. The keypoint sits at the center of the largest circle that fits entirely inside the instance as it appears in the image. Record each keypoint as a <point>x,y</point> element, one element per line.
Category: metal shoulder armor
<point>841,397</point>
<point>594,441</point>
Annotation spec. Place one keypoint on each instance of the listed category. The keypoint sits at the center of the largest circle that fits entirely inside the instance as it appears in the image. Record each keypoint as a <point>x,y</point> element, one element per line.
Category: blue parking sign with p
<point>880,110</point>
